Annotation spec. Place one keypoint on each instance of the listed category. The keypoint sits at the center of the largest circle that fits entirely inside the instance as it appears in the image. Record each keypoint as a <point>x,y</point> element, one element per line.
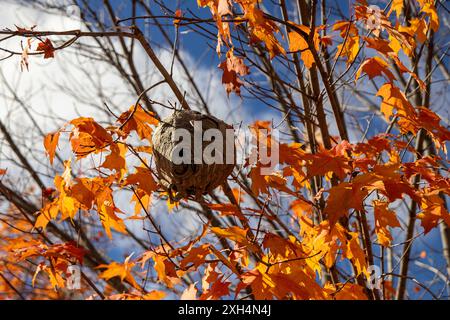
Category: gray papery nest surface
<point>190,179</point>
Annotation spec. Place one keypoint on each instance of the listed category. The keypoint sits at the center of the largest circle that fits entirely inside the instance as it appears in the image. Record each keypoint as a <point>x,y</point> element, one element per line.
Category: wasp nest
<point>191,159</point>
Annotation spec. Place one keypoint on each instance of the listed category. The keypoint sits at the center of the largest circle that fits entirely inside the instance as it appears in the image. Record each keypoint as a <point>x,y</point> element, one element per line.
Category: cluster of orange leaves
<point>356,166</point>
<point>263,29</point>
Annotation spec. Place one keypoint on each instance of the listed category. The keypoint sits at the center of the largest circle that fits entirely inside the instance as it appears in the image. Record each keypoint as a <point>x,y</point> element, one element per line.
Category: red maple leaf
<point>47,47</point>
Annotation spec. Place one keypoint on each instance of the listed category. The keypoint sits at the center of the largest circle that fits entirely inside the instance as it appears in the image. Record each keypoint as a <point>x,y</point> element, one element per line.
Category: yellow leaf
<point>298,43</point>
<point>430,10</point>
<point>121,270</point>
<point>384,218</point>
<point>348,49</point>
<point>50,144</point>
<point>433,210</point>
<point>355,253</point>
<point>393,98</point>
<point>351,291</point>
<point>233,233</point>
<point>397,6</point>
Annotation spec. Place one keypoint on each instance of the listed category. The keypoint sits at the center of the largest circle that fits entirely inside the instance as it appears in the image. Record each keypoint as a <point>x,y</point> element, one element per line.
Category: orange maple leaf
<point>88,137</point>
<point>47,47</point>
<point>116,159</point>
<point>297,42</point>
<point>121,270</point>
<point>384,219</point>
<point>139,120</point>
<point>233,67</point>
<point>375,67</point>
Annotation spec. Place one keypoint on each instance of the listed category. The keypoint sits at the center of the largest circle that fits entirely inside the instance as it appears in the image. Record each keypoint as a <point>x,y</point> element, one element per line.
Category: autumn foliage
<point>337,203</point>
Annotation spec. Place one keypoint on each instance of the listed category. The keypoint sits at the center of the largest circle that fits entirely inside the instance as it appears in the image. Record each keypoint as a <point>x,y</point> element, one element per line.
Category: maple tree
<point>343,198</point>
